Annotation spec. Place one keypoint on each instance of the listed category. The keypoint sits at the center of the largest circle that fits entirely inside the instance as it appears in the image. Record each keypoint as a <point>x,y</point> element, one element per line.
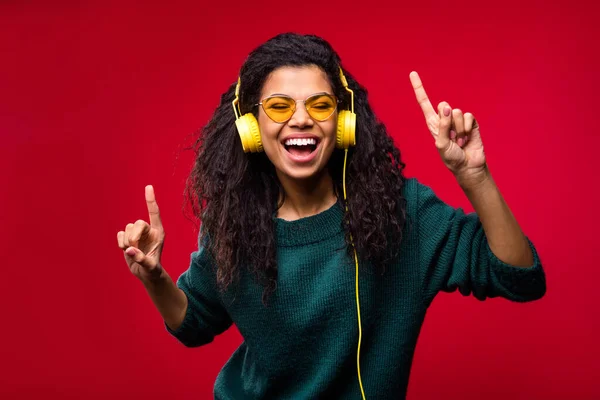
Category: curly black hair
<point>236,195</point>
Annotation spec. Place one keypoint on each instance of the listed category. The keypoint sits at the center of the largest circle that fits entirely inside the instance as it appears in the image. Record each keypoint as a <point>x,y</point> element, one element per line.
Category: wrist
<point>474,180</point>
<point>158,278</point>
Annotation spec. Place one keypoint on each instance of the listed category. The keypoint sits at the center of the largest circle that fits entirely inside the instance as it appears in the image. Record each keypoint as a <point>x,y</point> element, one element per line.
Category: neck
<point>307,197</point>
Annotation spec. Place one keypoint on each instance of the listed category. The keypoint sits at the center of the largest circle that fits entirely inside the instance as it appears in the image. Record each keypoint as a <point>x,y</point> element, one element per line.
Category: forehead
<point>297,82</point>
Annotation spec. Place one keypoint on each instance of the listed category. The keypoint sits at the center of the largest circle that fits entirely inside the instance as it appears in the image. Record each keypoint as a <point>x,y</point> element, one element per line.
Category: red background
<point>98,100</point>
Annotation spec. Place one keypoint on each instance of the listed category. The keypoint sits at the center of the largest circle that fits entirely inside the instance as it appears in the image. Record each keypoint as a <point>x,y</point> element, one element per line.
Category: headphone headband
<point>345,83</point>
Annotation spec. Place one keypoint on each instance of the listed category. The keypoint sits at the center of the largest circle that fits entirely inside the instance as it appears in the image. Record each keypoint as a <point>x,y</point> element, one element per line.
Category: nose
<point>300,118</point>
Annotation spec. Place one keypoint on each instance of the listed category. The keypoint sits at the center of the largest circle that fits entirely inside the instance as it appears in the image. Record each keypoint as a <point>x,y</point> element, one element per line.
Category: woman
<point>326,272</point>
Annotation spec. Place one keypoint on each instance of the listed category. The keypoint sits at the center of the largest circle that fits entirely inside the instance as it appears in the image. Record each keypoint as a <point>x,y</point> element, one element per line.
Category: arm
<point>170,301</point>
<point>192,312</point>
<point>505,238</point>
<point>455,253</point>
<point>204,316</point>
<point>458,140</point>
<point>484,252</point>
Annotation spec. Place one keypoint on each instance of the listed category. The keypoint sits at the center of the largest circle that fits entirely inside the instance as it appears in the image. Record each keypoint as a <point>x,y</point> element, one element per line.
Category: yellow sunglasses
<point>280,108</point>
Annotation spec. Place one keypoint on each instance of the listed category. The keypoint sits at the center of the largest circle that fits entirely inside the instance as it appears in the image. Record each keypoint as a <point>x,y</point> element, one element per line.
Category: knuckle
<point>433,120</point>
<point>441,145</point>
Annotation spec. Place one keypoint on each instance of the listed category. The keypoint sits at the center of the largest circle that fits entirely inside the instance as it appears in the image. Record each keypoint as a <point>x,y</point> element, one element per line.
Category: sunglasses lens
<point>320,107</point>
<point>279,109</point>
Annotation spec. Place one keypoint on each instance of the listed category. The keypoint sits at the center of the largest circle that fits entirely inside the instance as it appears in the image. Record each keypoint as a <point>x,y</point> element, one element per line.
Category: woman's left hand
<point>456,135</point>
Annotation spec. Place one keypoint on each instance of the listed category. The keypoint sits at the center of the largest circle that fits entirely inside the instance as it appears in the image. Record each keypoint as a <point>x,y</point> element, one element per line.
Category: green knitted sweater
<point>303,345</point>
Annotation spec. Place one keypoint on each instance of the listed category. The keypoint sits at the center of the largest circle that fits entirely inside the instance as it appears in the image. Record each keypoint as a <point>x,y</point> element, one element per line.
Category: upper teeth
<point>300,142</point>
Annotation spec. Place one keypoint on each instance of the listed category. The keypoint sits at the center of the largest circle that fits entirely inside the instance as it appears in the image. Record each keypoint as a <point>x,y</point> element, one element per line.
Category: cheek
<point>329,131</point>
<point>265,126</point>
<point>269,132</point>
<point>329,128</point>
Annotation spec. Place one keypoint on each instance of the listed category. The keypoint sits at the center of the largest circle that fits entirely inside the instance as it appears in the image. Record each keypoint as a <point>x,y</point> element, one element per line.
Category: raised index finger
<point>422,98</point>
<point>152,208</point>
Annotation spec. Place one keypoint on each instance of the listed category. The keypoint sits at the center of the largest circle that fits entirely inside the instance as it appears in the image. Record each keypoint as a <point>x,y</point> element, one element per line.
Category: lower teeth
<point>300,150</point>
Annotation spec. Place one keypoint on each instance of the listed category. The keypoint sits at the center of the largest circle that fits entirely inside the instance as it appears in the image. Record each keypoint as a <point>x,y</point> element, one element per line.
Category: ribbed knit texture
<point>303,345</point>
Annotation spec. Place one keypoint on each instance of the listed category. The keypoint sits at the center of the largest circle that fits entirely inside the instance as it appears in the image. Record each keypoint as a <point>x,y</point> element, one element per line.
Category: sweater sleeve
<point>454,254</point>
<point>205,316</point>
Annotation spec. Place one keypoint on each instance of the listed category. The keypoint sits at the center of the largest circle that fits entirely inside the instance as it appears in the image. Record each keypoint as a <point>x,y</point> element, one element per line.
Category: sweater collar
<point>311,229</point>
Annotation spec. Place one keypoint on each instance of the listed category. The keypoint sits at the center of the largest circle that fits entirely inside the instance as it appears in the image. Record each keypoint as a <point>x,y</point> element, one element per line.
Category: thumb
<point>136,255</point>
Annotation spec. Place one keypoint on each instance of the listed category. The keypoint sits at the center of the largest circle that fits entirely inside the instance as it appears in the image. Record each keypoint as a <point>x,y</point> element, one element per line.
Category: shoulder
<point>414,192</point>
<point>422,201</point>
<point>202,258</point>
<point>413,189</point>
<point>410,187</point>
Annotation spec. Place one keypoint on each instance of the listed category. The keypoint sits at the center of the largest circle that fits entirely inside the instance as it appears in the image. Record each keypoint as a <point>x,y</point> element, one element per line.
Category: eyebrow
<point>287,95</point>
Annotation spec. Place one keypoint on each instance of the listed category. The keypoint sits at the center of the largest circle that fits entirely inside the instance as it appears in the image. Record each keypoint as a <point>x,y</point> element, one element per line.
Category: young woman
<point>313,242</point>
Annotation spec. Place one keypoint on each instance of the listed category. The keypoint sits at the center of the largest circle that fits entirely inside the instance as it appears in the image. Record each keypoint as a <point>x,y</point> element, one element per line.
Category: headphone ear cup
<point>249,132</point>
<point>346,130</point>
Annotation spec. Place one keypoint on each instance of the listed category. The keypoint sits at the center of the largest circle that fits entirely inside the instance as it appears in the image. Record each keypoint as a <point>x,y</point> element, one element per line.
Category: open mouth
<point>301,147</point>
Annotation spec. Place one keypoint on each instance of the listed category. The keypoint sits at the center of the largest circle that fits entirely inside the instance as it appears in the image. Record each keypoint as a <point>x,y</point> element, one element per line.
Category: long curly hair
<point>236,195</point>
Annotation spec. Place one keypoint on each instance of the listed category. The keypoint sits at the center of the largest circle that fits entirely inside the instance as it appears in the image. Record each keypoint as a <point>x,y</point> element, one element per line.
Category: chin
<point>302,174</point>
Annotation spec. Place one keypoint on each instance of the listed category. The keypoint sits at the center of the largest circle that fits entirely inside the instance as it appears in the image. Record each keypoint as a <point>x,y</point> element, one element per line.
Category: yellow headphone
<point>249,132</point>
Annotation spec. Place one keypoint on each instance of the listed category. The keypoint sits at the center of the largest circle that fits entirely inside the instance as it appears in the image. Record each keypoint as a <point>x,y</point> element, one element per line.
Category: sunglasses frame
<point>336,100</point>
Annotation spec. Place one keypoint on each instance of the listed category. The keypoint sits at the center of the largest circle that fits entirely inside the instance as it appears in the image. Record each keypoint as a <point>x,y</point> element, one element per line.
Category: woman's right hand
<point>142,243</point>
